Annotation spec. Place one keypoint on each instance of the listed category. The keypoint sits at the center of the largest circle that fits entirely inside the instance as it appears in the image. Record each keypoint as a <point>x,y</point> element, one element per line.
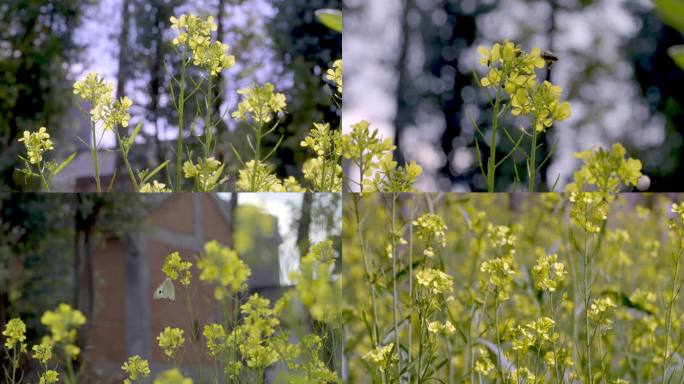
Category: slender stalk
<point>181,105</point>
<point>395,298</point>
<point>532,170</point>
<point>498,337</point>
<point>257,157</point>
<point>587,337</point>
<point>491,166</point>
<point>188,305</point>
<point>124,156</point>
<point>93,153</point>
<point>375,336</point>
<point>410,328</point>
<point>553,343</point>
<point>668,318</point>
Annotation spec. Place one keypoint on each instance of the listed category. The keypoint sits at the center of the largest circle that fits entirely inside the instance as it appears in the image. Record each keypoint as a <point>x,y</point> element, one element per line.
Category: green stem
<point>181,105</point>
<point>532,166</point>
<point>498,336</point>
<point>587,337</point>
<point>188,304</point>
<point>124,156</point>
<point>491,166</point>
<point>395,299</point>
<point>93,153</point>
<point>668,320</point>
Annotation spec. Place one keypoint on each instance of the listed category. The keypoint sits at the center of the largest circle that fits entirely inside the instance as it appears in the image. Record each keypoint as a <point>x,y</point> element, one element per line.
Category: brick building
<point>128,270</point>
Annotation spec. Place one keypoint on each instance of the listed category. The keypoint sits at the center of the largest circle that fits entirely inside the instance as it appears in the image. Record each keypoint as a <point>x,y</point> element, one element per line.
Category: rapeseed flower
<point>221,265</point>
<point>134,367</point>
<point>36,144</point>
<point>170,339</point>
<point>15,334</point>
<point>259,104</point>
<point>174,267</point>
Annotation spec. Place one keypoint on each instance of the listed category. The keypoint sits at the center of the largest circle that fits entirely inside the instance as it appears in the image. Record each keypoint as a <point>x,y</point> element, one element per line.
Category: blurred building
<point>128,270</point>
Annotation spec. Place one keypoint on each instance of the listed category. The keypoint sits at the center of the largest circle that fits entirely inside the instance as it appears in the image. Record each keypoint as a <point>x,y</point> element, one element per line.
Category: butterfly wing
<point>165,291</point>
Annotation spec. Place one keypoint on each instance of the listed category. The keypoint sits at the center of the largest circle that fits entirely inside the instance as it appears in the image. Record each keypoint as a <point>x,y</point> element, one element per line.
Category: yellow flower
<point>155,187</point>
<point>49,377</point>
<point>174,267</point>
<point>170,340</point>
<point>135,366</point>
<point>548,272</point>
<point>43,351</point>
<point>36,144</point>
<point>259,103</point>
<point>172,376</point>
<point>379,355</point>
<point>335,74</point>
<point>435,280</point>
<point>221,265</point>
<point>15,333</point>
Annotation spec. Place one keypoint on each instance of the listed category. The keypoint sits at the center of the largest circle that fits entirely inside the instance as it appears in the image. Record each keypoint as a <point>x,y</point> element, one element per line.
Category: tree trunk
<point>403,113</point>
<point>230,240</point>
<point>303,241</point>
<point>156,76</point>
<point>86,218</point>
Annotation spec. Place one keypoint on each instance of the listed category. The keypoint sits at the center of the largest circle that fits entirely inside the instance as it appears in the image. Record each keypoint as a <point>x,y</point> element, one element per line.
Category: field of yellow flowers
<point>513,288</point>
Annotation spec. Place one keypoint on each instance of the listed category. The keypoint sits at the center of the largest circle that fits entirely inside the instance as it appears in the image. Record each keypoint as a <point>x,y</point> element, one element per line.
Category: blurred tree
<point>307,49</point>
<point>36,49</point>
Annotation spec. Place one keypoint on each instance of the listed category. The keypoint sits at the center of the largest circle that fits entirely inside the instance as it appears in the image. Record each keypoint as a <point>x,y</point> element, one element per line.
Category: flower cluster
<point>314,285</point>
<point>323,171</point>
<point>589,210</point>
<point>259,104</point>
<point>484,365</point>
<point>676,223</point>
<point>373,156</point>
<point>170,339</point>
<point>93,88</point>
<point>380,356</point>
<point>502,239</point>
<point>255,333</point>
<point>221,265</point>
<point>207,174</point>
<point>15,333</point>
<point>195,32</point>
<point>542,102</point>
<point>215,335</point>
<point>598,311</point>
<point>36,144</point>
<point>259,176</point>
<point>437,327</point>
<point>105,110</point>
<point>49,377</point>
<point>335,74</point>
<point>430,227</point>
<point>435,280</point>
<point>605,171</point>
<point>63,323</point>
<point>172,376</point>
<point>134,367</point>
<point>514,69</point>
<point>154,187</point>
<point>174,267</point>
<point>43,351</point>
<point>548,272</point>
<point>500,271</point>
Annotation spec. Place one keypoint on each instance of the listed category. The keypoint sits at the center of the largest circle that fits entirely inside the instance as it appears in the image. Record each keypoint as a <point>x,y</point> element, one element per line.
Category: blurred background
<point>103,255</point>
<point>45,46</point>
<point>410,72</point>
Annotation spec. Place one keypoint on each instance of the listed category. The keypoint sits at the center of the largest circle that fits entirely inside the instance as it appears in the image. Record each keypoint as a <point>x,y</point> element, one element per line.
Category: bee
<point>549,58</point>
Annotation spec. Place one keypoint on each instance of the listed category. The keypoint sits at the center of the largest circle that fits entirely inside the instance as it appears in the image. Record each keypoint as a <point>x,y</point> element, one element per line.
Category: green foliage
<point>553,288</point>
<point>251,340</point>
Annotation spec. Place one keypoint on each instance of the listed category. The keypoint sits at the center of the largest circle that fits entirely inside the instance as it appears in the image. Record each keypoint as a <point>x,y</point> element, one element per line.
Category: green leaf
<point>672,12</point>
<point>676,52</point>
<point>154,172</point>
<point>131,139</point>
<point>64,163</point>
<point>331,18</point>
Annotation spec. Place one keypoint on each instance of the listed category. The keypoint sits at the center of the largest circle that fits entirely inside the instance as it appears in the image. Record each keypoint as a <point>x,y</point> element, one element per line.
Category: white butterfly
<point>165,291</point>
